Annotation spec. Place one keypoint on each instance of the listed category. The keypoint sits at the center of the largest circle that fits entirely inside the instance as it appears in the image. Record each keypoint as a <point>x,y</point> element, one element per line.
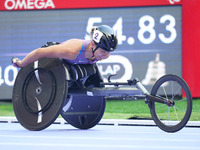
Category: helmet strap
<point>93,51</point>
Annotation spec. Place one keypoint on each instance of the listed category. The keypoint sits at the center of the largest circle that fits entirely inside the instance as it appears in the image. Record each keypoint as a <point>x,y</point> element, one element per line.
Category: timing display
<point>8,75</point>
<point>149,38</point>
<point>146,26</point>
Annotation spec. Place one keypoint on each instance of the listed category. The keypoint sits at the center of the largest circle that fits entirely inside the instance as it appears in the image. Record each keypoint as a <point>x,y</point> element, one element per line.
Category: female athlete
<point>77,51</point>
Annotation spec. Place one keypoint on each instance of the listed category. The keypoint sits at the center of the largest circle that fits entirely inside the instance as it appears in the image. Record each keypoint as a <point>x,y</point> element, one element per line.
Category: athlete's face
<point>101,54</point>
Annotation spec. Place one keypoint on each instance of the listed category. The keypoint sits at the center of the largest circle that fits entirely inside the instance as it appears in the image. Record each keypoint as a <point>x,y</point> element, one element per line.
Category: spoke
<point>183,99</point>
<point>160,105</point>
<point>165,92</point>
<point>164,114</point>
<point>172,88</point>
<point>180,109</point>
<point>176,114</point>
<point>168,113</point>
<point>176,93</point>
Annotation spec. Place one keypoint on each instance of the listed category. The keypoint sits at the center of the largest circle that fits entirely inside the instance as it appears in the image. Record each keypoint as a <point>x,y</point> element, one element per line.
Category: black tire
<point>39,94</point>
<point>81,116</point>
<point>171,118</point>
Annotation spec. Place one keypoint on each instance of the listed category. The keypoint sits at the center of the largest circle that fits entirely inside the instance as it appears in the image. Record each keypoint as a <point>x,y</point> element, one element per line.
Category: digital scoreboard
<point>150,38</point>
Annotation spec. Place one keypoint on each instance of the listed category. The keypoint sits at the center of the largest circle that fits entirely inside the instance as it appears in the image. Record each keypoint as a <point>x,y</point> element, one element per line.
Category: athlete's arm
<point>67,50</point>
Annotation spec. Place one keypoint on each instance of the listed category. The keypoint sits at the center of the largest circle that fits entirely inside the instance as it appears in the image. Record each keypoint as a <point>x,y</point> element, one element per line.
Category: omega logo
<point>28,4</point>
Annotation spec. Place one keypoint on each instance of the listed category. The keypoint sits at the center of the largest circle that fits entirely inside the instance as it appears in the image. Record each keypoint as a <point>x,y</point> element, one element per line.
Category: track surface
<point>101,137</point>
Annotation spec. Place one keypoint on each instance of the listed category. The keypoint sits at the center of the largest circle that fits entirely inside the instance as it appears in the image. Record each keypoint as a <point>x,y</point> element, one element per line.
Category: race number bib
<point>97,36</point>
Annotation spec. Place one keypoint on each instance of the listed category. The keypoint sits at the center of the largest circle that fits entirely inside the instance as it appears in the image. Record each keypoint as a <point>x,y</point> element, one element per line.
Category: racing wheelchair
<point>47,88</point>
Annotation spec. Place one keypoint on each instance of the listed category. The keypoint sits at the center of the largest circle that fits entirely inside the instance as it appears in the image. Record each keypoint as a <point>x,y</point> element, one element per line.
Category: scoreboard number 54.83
<point>146,24</point>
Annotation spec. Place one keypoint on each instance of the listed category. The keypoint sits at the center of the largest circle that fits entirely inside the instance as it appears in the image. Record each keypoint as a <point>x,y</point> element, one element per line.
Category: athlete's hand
<point>16,62</point>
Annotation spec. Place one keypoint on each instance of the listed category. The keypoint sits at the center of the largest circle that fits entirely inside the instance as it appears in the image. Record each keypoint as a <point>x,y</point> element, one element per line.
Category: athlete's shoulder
<point>72,41</point>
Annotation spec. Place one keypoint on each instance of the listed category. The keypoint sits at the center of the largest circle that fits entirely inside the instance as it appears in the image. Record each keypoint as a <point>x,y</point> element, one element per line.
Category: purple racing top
<point>80,59</point>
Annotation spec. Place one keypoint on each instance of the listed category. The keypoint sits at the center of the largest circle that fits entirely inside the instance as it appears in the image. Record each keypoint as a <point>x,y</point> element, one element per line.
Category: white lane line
<point>92,145</point>
<point>159,132</point>
<point>103,138</point>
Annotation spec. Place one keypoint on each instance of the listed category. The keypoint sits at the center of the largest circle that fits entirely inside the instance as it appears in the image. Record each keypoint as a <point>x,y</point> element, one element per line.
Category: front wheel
<point>174,117</point>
